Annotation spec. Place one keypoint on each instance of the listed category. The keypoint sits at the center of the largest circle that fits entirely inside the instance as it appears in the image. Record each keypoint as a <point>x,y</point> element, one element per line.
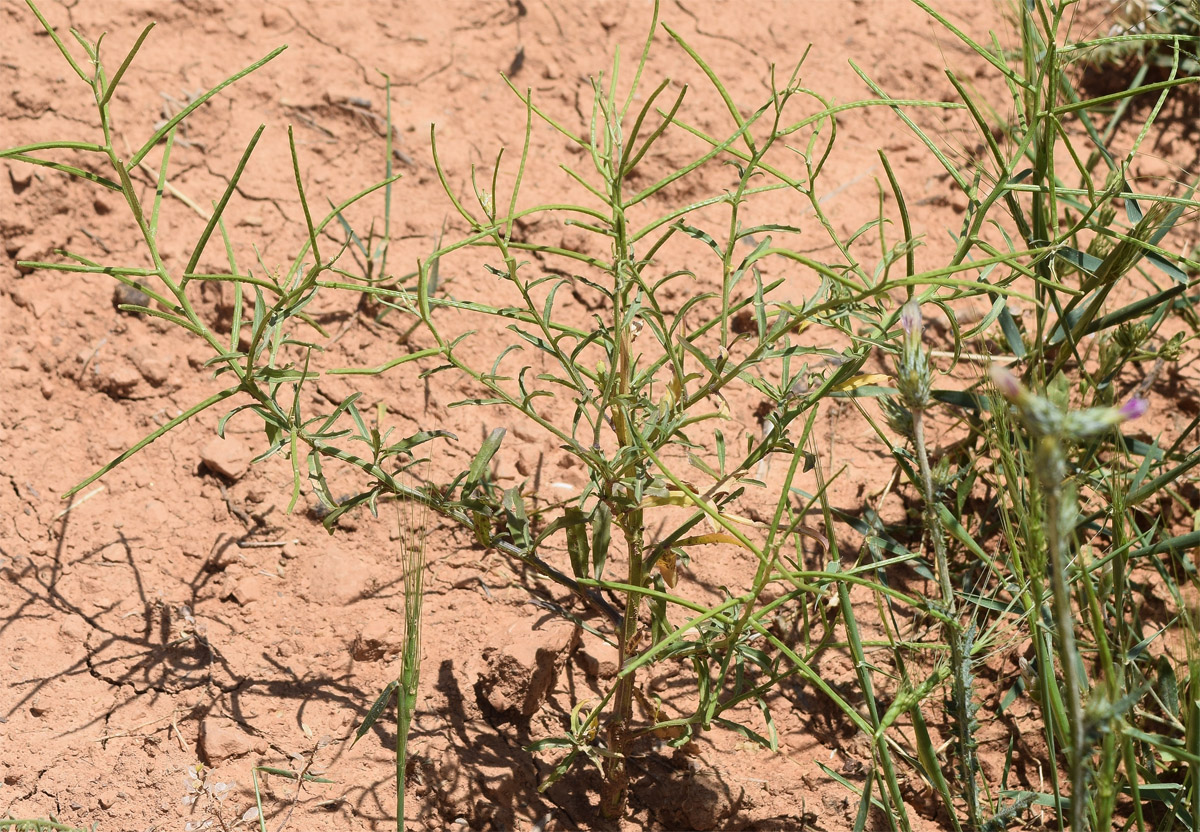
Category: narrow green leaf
<point>74,171</point>
<point>146,440</point>
<point>57,41</point>
<point>190,108</point>
<point>577,544</point>
<point>375,710</point>
<point>219,208</point>
<point>601,538</point>
<point>116,79</point>
<point>484,456</point>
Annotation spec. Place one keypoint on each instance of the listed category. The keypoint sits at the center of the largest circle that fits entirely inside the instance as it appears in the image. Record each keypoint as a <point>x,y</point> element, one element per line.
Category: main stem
<point>1067,654</point>
<point>616,774</point>
<point>959,651</point>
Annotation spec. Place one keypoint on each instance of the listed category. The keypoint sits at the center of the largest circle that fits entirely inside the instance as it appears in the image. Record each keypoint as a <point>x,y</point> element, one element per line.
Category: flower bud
<point>1006,383</point>
<point>1135,408</point>
<point>914,377</point>
<point>910,319</point>
<point>1043,418</point>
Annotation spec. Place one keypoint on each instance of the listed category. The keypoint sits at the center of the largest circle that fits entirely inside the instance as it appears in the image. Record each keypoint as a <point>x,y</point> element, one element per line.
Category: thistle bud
<point>1135,408</point>
<point>1039,415</point>
<point>910,320</point>
<point>913,374</point>
<point>1042,418</point>
<point>899,418</point>
<point>1171,350</point>
<point>1006,383</point>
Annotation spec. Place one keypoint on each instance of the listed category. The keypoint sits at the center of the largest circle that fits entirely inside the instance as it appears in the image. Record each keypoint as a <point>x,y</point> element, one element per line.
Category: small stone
<point>18,359</point>
<point>198,356</point>
<point>47,389</point>
<point>524,468</point>
<point>19,182</point>
<point>248,590</point>
<point>155,513</point>
<point>338,580</point>
<point>376,639</point>
<point>710,801</point>
<point>273,18</point>
<point>36,250</point>
<point>221,739</point>
<point>129,296</point>
<point>610,16</point>
<point>227,457</point>
<point>34,101</point>
<point>23,298</point>
<point>291,550</point>
<point>108,798</point>
<point>348,522</point>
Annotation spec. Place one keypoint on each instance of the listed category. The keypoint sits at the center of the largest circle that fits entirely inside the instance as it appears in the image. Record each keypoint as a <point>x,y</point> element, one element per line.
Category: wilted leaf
<point>855,382</point>
<point>713,537</point>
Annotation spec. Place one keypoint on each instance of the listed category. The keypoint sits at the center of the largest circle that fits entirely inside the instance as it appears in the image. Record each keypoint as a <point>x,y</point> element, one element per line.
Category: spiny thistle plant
<point>683,317</point>
<point>1051,429</point>
<point>914,381</point>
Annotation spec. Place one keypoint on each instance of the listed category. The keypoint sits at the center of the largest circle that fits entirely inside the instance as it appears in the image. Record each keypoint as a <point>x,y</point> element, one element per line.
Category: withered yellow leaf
<point>862,380</point>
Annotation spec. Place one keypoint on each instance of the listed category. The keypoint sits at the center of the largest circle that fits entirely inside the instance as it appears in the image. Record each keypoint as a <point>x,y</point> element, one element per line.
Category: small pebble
<point>128,295</point>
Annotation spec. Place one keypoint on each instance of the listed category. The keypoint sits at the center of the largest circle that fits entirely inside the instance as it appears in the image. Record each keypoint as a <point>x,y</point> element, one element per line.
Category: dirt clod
<point>377,639</point>
<point>221,739</point>
<point>227,457</point>
<point>248,590</point>
<point>520,671</point>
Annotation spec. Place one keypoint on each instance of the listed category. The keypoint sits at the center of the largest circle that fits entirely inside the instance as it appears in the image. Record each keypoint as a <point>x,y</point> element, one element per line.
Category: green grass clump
<point>1038,514</point>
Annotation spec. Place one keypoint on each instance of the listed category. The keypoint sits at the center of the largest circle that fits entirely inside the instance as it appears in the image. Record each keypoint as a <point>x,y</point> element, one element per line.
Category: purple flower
<point>910,317</point>
<point>1135,408</point>
<point>1008,384</point>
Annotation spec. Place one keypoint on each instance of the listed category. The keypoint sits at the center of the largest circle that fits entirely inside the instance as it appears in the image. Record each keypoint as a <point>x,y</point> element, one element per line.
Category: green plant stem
<point>863,670</point>
<point>1057,539</point>
<point>960,658</point>
<point>616,774</point>
<point>616,785</point>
